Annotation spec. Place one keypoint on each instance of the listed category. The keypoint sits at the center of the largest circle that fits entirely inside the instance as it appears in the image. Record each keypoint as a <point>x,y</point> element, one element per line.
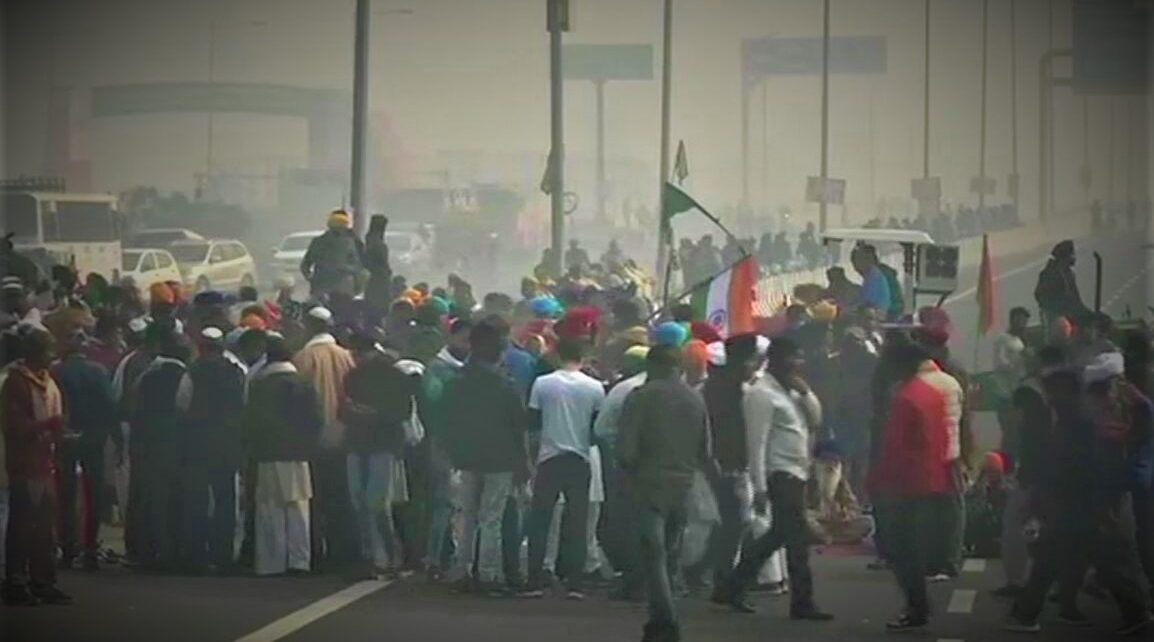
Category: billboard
<point>607,62</point>
<point>801,56</point>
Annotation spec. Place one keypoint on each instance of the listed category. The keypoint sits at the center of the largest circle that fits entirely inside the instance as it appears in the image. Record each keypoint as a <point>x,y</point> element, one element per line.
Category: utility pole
<point>360,118</point>
<point>665,236</point>
<point>210,124</point>
<point>599,87</point>
<point>985,78</point>
<point>823,214</point>
<point>926,101</point>
<point>558,22</point>
<point>765,144</point>
<point>1015,181</point>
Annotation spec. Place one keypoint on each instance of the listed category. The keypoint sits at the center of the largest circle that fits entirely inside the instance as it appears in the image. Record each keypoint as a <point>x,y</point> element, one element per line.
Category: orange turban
<point>696,355</point>
<point>161,293</point>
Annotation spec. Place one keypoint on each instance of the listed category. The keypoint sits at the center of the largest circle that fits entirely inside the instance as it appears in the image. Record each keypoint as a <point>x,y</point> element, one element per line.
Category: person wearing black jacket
<point>334,260</point>
<point>486,437</point>
<point>1057,290</point>
<point>724,391</point>
<point>281,427</point>
<point>156,461</point>
<point>211,395</point>
<point>91,412</point>
<point>378,402</point>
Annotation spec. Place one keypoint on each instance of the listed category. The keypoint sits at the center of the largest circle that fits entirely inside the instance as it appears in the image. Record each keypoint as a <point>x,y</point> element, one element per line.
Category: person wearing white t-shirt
<point>564,406</point>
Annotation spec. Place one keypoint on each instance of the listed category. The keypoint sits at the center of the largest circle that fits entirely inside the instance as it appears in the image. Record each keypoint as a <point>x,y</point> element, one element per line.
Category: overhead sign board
<point>607,62</point>
<point>831,192</point>
<point>802,56</point>
<point>987,186</point>
<point>1111,46</point>
<point>926,190</point>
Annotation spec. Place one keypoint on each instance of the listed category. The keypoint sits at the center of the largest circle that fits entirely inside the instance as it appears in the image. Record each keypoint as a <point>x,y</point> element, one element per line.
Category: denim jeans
<point>484,496</point>
<point>790,530</point>
<point>734,509</point>
<point>442,508</point>
<point>661,531</point>
<point>209,537</point>
<point>370,477</point>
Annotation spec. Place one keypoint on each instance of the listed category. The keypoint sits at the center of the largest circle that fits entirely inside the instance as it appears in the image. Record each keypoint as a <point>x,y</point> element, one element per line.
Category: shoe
<point>1008,591</point>
<point>51,595</point>
<point>1075,619</point>
<point>575,594</point>
<point>18,596</point>
<point>907,623</point>
<point>1136,628</point>
<point>494,589</point>
<point>532,592</point>
<point>878,565</point>
<point>1021,625</point>
<point>938,578</point>
<point>810,615</point>
<point>733,599</point>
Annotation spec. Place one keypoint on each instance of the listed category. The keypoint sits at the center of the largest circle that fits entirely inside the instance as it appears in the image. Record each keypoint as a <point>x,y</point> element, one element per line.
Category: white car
<point>217,264</point>
<point>163,237</point>
<point>286,258</point>
<point>146,266</point>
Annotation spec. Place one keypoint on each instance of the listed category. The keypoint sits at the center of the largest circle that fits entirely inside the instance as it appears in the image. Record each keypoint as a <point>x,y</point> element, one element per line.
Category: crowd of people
<point>563,441</point>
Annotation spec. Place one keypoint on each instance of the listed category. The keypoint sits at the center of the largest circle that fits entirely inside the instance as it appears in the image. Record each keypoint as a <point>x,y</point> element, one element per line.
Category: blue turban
<point>670,333</point>
<point>545,307</point>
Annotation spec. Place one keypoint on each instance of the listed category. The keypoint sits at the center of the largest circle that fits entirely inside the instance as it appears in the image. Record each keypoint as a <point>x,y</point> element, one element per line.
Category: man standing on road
<point>781,411</point>
<point>663,442</point>
<point>1010,365</point>
<point>326,365</point>
<point>91,412</point>
<point>910,473</point>
<point>563,406</point>
<point>32,416</point>
<point>212,398</point>
<point>485,435</point>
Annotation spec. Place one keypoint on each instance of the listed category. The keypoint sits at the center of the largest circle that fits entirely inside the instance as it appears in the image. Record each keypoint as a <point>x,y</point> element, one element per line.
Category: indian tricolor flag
<point>726,302</point>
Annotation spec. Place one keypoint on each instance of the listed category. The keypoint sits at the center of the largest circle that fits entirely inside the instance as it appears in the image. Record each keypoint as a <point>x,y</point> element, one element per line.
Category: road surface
<point>116,605</point>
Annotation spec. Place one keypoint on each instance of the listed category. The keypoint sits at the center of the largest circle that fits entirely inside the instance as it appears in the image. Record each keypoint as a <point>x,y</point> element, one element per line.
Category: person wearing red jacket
<point>909,474</point>
<point>31,413</point>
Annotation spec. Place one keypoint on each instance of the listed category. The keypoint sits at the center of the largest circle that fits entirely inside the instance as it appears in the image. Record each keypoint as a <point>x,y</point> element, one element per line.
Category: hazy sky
<point>472,76</point>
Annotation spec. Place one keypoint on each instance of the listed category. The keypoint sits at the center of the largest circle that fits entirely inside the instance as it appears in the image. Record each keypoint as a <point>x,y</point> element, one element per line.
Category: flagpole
<point>700,284</point>
<point>665,230</point>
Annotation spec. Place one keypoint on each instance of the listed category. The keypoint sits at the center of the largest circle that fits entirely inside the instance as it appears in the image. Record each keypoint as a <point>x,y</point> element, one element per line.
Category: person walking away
<point>1010,357</point>
<point>1035,425</point>
<point>564,406</point>
<point>1083,507</point>
<point>485,435</point>
<point>432,410</point>
<point>326,364</point>
<point>620,528</point>
<point>334,260</point>
<point>211,395</point>
<point>92,415</point>
<point>155,439</point>
<point>281,425</point>
<point>31,414</point>
<point>378,400</point>
<point>724,391</point>
<point>1057,292</point>
<point>910,473</point>
<point>663,443</point>
<point>780,414</point>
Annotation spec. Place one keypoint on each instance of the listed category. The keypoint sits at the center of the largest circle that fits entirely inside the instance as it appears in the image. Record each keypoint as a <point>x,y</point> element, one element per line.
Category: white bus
<point>79,229</point>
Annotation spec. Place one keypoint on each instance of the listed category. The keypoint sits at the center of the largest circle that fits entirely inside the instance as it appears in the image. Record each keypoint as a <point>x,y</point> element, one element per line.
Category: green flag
<point>677,202</point>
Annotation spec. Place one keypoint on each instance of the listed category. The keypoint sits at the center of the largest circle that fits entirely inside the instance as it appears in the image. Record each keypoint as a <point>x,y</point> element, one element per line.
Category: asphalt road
<point>119,606</point>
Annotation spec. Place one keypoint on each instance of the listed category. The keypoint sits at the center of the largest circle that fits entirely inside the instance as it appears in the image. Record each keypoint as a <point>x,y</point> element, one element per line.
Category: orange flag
<point>987,297</point>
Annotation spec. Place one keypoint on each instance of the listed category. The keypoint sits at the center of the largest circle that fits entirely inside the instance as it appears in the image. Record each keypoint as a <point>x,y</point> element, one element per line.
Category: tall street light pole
<point>557,17</point>
<point>983,118</point>
<point>665,237</point>
<point>926,101</point>
<point>360,117</point>
<point>823,214</point>
<point>602,214</point>
<point>1015,182</point>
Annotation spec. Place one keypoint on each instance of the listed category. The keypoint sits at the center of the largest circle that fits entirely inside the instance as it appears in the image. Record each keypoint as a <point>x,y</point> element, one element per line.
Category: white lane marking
<point>969,292</point>
<point>297,620</point>
<point>1129,283</point>
<point>962,601</point>
<point>974,566</point>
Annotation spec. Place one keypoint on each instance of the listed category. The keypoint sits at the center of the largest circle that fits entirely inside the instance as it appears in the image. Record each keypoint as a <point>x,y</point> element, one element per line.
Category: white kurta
<point>283,491</point>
